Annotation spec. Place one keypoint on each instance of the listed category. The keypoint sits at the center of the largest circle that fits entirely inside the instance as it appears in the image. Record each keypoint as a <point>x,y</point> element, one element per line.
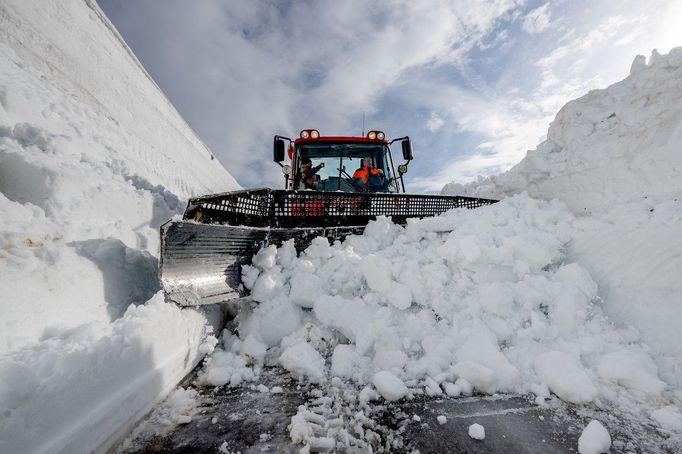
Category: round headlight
<point>380,135</point>
<point>372,135</point>
<point>314,134</point>
<point>304,134</point>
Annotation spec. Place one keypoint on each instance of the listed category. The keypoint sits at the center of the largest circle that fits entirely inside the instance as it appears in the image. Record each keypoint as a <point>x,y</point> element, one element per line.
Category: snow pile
<point>93,158</point>
<point>613,156</point>
<point>480,300</point>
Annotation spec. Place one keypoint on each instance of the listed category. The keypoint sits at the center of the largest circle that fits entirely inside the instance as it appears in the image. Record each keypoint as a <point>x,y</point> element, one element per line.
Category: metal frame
<point>276,208</point>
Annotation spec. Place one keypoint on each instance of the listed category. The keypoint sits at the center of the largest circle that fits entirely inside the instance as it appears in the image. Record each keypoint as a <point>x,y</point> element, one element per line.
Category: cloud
<point>435,122</point>
<point>537,20</point>
<point>240,72</point>
<point>468,80</point>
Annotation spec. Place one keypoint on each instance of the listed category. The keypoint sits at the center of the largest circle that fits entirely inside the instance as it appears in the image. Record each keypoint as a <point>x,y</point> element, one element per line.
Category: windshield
<point>331,166</point>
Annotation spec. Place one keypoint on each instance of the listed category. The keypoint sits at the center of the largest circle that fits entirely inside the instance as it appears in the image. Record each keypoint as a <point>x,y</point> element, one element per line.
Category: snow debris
<point>495,307</point>
<point>303,360</point>
<point>634,370</point>
<point>389,386</point>
<point>669,418</point>
<point>565,377</point>
<point>452,389</point>
<point>181,404</point>
<point>477,432</point>
<point>441,419</point>
<point>595,439</point>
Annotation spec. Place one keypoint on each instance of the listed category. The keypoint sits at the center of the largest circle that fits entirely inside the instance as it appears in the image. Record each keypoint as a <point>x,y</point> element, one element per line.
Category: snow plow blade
<point>202,254</point>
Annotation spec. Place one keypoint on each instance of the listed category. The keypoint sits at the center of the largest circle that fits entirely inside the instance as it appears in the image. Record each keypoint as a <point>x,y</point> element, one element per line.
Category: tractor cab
<point>346,164</point>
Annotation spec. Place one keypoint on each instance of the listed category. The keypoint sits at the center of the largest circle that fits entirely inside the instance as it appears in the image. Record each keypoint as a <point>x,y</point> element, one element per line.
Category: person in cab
<point>307,177</point>
<point>369,178</point>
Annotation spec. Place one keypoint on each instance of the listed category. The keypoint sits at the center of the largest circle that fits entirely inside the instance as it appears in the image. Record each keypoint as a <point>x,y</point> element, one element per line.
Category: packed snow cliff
<point>614,157</point>
<point>93,158</point>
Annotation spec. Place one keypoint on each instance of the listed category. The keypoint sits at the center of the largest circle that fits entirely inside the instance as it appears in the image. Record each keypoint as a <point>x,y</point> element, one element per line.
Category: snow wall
<point>613,156</point>
<point>93,159</point>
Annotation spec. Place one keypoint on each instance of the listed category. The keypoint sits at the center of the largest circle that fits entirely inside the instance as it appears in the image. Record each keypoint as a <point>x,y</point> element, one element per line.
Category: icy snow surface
<point>93,158</point>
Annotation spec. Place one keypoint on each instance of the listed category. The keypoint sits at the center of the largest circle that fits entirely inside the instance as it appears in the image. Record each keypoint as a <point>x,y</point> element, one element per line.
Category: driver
<point>369,177</point>
<point>308,174</point>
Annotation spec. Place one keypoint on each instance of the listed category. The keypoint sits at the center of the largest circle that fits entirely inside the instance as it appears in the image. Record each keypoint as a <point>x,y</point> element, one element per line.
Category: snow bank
<point>93,158</point>
<point>613,156</point>
<point>83,387</point>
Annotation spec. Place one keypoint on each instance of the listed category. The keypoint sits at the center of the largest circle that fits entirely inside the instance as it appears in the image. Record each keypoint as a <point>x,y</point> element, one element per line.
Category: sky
<point>474,83</point>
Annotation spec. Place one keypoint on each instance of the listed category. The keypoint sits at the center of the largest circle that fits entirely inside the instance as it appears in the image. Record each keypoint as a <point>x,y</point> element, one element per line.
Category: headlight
<point>314,134</point>
<point>304,134</point>
<point>380,135</point>
<point>371,135</point>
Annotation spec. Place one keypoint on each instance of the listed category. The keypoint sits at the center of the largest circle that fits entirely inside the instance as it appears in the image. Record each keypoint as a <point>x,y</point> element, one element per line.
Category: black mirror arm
<point>398,139</point>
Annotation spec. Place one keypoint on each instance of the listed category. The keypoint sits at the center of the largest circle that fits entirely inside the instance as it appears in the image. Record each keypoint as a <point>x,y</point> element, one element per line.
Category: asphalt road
<point>247,421</point>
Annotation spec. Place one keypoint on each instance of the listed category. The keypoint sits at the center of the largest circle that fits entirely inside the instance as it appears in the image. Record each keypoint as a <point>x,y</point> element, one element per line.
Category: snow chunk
<point>303,360</point>
<point>595,439</point>
<point>389,386</point>
<point>477,432</point>
<point>565,377</point>
<point>452,389</point>
<point>633,370</point>
<point>669,418</point>
<point>441,419</point>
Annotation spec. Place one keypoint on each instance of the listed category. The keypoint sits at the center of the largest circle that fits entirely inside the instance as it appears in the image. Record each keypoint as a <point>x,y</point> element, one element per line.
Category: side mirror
<point>278,149</point>
<point>402,169</point>
<point>407,149</point>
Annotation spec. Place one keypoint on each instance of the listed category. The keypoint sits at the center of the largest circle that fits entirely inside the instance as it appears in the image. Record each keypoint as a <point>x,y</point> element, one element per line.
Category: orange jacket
<point>364,172</point>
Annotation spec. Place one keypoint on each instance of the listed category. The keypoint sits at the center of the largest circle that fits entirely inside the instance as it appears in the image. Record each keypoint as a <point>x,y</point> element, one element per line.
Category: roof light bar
<point>310,134</point>
<point>376,135</point>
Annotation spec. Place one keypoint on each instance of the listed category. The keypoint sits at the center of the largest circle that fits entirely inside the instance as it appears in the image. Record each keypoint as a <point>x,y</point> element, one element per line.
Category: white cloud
<point>243,71</point>
<point>435,122</point>
<point>537,20</point>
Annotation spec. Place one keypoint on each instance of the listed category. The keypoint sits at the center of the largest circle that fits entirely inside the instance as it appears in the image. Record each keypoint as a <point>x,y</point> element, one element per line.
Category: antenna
<point>363,125</point>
